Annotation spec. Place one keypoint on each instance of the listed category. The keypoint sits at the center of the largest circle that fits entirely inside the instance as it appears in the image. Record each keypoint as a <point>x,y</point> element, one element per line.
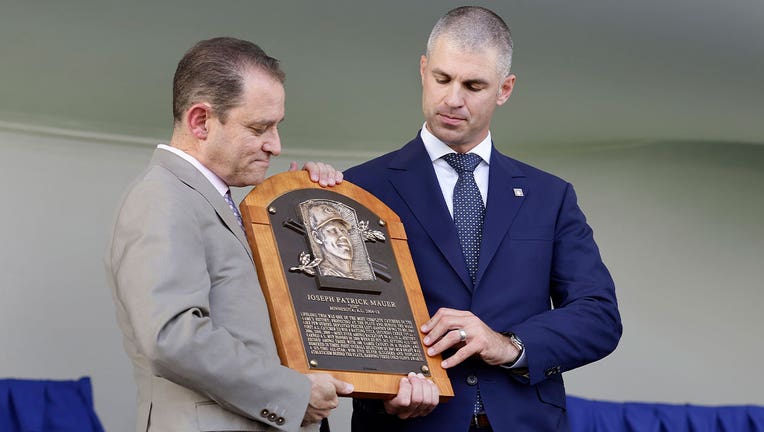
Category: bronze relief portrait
<point>335,239</point>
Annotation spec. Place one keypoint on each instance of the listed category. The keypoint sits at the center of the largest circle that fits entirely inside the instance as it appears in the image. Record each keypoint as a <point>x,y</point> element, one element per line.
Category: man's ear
<point>422,67</point>
<point>316,237</point>
<point>196,119</point>
<point>505,90</point>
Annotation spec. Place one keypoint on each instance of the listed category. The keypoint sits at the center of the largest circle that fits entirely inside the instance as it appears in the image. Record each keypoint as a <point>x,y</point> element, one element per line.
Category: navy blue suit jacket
<point>540,276</point>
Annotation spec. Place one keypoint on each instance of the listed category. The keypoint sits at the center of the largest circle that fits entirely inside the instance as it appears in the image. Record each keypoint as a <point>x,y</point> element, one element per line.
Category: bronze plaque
<point>341,288</point>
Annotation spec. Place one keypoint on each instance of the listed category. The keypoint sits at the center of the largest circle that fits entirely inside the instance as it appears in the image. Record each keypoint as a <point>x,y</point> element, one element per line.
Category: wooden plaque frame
<point>284,322</point>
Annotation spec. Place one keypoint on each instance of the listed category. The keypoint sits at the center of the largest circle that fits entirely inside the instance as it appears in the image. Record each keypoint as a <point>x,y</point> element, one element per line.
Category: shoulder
<point>156,185</point>
<point>408,157</point>
<point>373,173</point>
<point>532,173</point>
<point>376,164</point>
<point>157,197</point>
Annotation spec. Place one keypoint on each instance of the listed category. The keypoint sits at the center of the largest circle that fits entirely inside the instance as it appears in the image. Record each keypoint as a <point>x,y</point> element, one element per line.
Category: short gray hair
<point>475,28</point>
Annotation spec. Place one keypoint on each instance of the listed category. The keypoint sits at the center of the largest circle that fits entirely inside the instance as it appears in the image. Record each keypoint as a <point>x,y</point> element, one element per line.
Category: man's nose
<point>454,95</point>
<point>272,143</point>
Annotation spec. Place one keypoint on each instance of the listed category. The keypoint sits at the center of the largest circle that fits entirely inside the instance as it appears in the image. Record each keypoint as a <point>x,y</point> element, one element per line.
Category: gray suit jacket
<point>194,319</point>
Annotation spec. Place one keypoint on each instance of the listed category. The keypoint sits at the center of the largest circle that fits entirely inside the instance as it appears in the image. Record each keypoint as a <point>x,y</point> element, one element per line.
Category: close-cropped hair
<point>475,28</point>
<point>213,71</point>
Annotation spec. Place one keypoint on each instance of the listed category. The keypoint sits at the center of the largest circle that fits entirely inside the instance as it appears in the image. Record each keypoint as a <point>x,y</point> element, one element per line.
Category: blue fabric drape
<point>47,406</point>
<point>597,416</point>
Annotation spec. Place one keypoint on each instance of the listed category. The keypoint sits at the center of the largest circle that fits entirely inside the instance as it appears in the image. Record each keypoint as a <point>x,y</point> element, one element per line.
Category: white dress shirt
<point>209,175</point>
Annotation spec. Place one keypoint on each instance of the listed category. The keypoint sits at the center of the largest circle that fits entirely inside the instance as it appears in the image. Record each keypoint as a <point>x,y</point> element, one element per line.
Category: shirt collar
<point>437,148</point>
<point>209,175</point>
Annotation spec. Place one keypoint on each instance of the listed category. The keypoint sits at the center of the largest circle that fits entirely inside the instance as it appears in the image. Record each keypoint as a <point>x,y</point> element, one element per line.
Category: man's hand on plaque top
<point>321,173</point>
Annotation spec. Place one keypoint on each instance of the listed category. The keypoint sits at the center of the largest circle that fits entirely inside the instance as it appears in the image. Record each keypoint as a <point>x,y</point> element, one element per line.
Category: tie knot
<point>463,162</point>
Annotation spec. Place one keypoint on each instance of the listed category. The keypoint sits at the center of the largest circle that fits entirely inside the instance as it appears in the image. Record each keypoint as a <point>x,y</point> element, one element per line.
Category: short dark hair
<point>213,71</point>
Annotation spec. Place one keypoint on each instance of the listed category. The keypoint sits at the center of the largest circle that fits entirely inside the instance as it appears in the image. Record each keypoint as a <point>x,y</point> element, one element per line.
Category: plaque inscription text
<point>360,336</point>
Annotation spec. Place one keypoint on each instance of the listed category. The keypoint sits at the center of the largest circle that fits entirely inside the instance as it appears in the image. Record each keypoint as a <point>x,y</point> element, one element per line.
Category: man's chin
<point>251,180</point>
<point>451,136</point>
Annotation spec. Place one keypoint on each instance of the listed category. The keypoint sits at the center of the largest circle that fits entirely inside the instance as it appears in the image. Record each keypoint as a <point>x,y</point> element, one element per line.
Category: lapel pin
<point>518,192</point>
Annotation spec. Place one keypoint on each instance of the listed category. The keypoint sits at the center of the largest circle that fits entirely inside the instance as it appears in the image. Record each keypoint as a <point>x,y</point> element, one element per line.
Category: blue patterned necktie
<point>469,211</point>
<point>235,211</point>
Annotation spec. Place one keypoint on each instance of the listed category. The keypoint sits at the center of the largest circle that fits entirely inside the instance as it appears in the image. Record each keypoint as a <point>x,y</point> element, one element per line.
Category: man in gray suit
<point>187,298</point>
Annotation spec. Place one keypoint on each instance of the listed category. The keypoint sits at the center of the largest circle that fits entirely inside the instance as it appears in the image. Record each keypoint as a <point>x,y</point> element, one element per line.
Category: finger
<point>421,393</point>
<point>436,332</point>
<point>426,405</point>
<point>450,339</point>
<point>313,170</point>
<point>434,397</point>
<point>324,391</point>
<point>459,356</point>
<point>330,175</point>
<point>411,403</point>
<point>342,387</point>
<point>417,391</point>
<point>427,327</point>
<point>402,399</point>
<point>322,173</point>
<point>441,323</point>
<point>293,166</point>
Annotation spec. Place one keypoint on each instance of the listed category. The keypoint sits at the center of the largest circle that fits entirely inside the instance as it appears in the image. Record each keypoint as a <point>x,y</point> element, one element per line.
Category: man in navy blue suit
<point>526,296</point>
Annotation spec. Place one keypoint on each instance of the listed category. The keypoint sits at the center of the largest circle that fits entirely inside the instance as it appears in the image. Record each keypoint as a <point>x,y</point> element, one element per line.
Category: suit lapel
<point>415,181</point>
<point>507,188</point>
<point>189,175</point>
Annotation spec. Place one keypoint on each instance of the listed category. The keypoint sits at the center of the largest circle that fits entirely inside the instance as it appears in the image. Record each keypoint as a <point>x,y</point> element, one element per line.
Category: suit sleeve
<point>160,267</point>
<point>584,325</point>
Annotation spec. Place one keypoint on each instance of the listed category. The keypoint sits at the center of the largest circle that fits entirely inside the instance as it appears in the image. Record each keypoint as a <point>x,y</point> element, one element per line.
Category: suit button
<point>280,421</point>
<point>471,380</point>
<point>272,417</point>
<point>264,413</point>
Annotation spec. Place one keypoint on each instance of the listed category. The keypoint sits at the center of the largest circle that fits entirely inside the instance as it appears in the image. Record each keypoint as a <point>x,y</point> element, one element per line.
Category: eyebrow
<point>470,82</point>
<point>263,123</point>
